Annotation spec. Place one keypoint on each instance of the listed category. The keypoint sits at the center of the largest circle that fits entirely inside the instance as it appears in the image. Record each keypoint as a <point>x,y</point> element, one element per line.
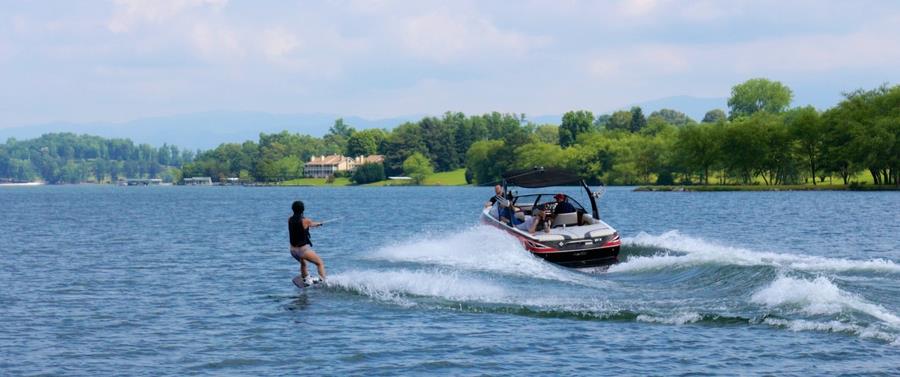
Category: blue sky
<point>113,61</point>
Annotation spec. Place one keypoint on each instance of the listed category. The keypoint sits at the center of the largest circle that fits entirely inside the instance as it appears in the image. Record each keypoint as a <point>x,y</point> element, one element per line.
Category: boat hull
<point>582,258</point>
<point>573,255</point>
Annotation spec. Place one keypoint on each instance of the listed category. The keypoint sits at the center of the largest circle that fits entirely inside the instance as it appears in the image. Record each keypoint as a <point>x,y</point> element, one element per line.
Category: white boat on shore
<point>19,184</point>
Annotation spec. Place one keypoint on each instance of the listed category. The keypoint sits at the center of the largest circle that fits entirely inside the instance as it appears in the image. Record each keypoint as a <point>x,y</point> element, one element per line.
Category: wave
<point>693,251</point>
<point>456,291</point>
<point>480,248</point>
<point>818,296</point>
<point>397,285</point>
<point>675,319</point>
<point>835,327</point>
<point>450,290</point>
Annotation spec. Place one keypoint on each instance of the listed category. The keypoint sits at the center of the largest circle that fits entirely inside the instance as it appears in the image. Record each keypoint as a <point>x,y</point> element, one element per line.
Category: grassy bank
<point>808,187</point>
<point>315,182</point>
<point>448,178</point>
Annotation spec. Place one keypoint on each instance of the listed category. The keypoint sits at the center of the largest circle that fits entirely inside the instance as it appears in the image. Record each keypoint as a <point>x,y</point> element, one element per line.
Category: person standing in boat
<point>498,194</point>
<point>301,245</point>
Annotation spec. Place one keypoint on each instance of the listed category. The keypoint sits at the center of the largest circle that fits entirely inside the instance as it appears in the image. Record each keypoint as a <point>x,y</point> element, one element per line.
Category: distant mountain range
<point>207,130</point>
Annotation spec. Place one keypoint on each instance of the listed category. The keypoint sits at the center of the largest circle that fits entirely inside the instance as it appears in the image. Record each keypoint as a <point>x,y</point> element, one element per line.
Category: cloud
<point>638,7</point>
<point>444,36</point>
<point>216,41</point>
<point>795,55</point>
<point>397,57</point>
<point>278,42</point>
<point>129,14</point>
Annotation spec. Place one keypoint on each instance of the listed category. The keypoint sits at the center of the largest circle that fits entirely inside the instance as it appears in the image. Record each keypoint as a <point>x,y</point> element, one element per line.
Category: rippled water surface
<point>190,280</point>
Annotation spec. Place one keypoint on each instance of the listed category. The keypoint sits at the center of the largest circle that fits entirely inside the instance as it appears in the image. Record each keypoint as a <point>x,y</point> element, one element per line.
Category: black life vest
<point>299,234</point>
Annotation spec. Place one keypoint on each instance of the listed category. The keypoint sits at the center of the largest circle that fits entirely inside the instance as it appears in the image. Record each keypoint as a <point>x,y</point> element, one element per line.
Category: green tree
<point>417,167</point>
<point>547,133</point>
<point>698,148</point>
<point>405,140</point>
<point>714,116</point>
<point>837,154</point>
<point>806,127</point>
<point>619,120</point>
<point>482,161</point>
<point>368,173</point>
<point>871,119</point>
<point>601,121</point>
<point>365,142</point>
<point>335,141</point>
<point>673,117</point>
<point>439,139</point>
<point>756,95</point>
<point>638,121</point>
<point>573,124</point>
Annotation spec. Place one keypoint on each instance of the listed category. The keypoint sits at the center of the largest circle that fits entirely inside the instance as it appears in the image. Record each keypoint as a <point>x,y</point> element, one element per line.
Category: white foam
<point>818,296</point>
<point>834,326</point>
<point>480,248</point>
<point>408,287</point>
<point>396,285</point>
<point>698,251</point>
<point>675,319</point>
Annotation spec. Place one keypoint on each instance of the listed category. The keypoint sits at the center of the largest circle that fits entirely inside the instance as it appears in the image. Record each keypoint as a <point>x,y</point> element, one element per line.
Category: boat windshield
<point>543,201</point>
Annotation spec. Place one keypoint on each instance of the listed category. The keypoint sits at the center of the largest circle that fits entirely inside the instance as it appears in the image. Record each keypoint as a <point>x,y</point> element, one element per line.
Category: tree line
<point>70,158</point>
<point>759,140</point>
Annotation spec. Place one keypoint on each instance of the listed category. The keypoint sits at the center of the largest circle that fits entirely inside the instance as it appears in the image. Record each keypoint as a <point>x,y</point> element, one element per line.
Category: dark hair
<point>297,207</point>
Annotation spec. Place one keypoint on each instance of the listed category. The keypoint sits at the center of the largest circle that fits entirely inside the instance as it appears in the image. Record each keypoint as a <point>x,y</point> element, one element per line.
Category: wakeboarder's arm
<point>307,223</point>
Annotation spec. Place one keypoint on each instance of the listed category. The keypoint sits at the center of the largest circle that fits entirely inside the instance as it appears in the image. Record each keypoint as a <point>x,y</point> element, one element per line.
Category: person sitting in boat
<point>507,213</point>
<point>562,205</point>
<point>498,194</point>
<point>531,222</point>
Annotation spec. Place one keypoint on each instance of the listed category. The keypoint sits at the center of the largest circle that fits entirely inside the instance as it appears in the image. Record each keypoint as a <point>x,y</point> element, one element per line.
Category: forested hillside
<point>70,158</point>
<point>760,139</point>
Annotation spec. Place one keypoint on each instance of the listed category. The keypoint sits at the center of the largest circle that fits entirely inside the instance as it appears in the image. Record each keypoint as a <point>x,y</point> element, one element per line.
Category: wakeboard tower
<point>577,239</point>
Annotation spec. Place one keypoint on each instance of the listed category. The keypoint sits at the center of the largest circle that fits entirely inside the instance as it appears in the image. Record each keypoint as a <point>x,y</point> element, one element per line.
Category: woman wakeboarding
<point>301,245</point>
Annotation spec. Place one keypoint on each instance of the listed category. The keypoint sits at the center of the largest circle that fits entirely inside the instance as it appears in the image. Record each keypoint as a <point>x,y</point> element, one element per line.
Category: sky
<point>114,61</point>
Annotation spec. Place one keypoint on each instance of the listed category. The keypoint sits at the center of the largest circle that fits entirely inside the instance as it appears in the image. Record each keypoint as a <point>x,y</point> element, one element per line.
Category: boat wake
<point>480,248</point>
<point>678,251</point>
<point>481,269</point>
<point>819,296</point>
<point>399,285</point>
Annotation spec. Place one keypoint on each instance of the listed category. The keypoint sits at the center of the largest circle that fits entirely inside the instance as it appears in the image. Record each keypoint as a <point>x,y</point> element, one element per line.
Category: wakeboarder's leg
<point>304,272</point>
<point>313,258</point>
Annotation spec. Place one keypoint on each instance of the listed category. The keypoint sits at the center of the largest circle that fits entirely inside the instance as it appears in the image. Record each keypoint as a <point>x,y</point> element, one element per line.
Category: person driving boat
<point>562,205</point>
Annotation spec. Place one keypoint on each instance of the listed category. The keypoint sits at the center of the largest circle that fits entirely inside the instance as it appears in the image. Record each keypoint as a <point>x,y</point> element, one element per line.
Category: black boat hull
<point>582,258</point>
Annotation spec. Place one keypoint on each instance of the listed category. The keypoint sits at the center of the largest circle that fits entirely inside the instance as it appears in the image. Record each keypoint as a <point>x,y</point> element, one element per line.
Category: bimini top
<point>540,177</point>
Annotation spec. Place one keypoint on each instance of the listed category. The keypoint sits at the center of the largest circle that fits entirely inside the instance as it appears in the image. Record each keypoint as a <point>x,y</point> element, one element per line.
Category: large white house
<point>327,166</point>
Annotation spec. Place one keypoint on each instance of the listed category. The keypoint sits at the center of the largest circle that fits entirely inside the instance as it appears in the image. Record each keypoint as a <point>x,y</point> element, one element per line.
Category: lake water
<point>102,280</point>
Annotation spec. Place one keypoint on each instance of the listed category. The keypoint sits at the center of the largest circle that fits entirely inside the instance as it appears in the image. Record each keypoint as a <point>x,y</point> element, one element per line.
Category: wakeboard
<point>308,282</point>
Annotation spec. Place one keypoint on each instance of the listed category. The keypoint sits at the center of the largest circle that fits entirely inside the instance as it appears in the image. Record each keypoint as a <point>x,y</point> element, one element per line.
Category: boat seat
<point>565,219</point>
<point>600,232</point>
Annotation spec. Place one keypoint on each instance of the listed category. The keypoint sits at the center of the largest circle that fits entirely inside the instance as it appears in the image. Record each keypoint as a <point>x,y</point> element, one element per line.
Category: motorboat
<point>576,239</point>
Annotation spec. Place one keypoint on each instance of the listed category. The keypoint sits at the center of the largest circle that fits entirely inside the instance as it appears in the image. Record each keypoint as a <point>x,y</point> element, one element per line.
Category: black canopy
<point>540,177</point>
